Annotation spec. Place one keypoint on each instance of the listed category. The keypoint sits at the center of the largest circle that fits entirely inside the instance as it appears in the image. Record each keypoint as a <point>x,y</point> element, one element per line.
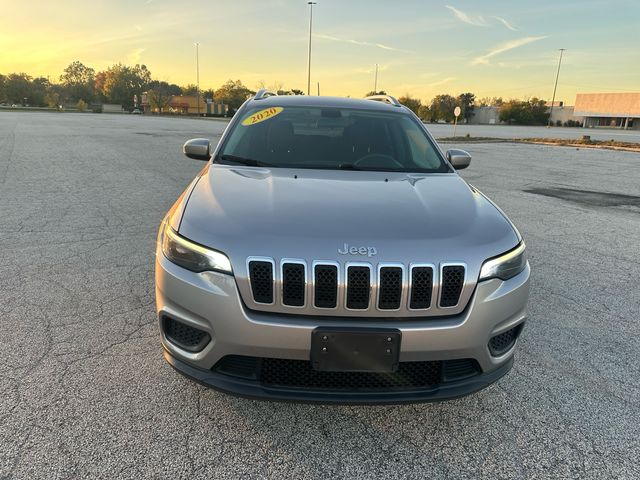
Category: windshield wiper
<point>351,166</point>
<point>250,162</point>
<point>348,166</point>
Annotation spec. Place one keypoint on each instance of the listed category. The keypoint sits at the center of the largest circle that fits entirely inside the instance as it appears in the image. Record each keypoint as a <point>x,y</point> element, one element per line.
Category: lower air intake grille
<point>239,366</point>
<point>390,288</point>
<point>358,288</point>
<point>457,369</point>
<point>326,286</point>
<point>293,284</point>
<point>421,287</point>
<point>261,275</point>
<point>500,344</point>
<point>452,283</point>
<point>299,374</point>
<point>184,336</point>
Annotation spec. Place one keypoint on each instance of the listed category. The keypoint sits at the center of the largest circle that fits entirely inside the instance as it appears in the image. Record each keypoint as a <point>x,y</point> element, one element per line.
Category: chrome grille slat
<point>390,286</point>
<point>294,284</point>
<point>358,287</point>
<point>325,286</point>
<point>261,276</point>
<point>452,280</point>
<point>421,287</point>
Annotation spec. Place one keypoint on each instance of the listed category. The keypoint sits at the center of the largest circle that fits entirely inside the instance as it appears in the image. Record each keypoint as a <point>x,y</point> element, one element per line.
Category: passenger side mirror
<point>458,158</point>
<point>197,148</point>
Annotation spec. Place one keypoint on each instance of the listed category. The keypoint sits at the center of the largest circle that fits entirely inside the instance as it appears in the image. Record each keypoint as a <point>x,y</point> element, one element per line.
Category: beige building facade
<point>617,110</point>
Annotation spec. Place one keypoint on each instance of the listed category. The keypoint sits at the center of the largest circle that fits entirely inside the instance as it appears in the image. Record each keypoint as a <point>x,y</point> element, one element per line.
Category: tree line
<point>81,86</point>
<point>78,85</point>
<point>531,111</point>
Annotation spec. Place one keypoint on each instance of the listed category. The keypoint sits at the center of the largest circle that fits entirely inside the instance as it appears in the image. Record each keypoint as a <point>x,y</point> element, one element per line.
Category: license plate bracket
<point>355,349</point>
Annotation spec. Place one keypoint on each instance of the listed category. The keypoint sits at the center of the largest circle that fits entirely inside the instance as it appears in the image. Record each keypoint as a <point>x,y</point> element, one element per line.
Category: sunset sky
<point>491,48</point>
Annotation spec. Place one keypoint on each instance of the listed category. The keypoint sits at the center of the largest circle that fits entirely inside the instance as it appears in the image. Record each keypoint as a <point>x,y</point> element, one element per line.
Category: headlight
<point>192,256</point>
<point>505,266</point>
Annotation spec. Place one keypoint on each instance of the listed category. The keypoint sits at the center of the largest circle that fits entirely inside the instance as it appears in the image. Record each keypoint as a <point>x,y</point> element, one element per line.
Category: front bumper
<point>251,389</point>
<point>210,302</point>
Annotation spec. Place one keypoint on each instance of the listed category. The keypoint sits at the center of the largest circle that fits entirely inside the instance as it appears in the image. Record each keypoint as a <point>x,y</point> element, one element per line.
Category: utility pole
<point>311,4</point>
<point>198,77</point>
<point>375,82</point>
<point>318,88</point>
<point>553,99</point>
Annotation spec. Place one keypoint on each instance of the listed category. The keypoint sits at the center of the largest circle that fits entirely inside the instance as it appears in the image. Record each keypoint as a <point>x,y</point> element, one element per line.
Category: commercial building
<point>486,115</point>
<point>187,105</point>
<point>612,110</point>
<point>564,114</point>
<point>490,115</point>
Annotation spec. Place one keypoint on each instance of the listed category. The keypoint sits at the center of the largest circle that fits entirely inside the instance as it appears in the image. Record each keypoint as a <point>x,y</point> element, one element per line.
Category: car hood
<point>311,214</point>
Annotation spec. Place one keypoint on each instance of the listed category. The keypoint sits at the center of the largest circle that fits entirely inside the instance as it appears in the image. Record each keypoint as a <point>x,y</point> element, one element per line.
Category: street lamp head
<point>312,3</point>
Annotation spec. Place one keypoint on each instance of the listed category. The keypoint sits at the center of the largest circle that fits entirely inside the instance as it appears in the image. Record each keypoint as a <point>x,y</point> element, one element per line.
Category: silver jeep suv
<point>328,251</point>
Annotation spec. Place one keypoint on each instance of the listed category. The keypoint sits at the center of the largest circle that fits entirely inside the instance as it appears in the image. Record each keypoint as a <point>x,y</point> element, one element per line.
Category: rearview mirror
<point>458,158</point>
<point>197,148</point>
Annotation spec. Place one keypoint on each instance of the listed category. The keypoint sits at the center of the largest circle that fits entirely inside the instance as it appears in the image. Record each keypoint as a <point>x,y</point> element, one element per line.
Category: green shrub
<point>527,112</point>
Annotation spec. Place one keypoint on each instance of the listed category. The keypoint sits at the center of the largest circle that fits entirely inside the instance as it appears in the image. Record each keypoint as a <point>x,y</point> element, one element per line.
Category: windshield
<point>331,138</point>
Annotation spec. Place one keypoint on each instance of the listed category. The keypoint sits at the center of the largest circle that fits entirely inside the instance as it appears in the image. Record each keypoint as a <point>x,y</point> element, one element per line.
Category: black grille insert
<point>421,287</point>
<point>299,374</point>
<point>390,293</point>
<point>293,284</point>
<point>261,276</point>
<point>358,287</point>
<point>239,366</point>
<point>184,336</point>
<point>452,283</point>
<point>458,369</point>
<point>501,343</point>
<point>326,286</point>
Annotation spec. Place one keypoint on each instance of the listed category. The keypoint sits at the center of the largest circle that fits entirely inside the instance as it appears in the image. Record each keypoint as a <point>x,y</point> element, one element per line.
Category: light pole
<point>375,82</point>
<point>311,4</point>
<point>198,76</point>
<point>553,99</point>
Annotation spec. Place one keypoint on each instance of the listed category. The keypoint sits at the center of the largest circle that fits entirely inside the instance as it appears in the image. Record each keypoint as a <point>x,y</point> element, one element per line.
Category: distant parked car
<point>136,111</point>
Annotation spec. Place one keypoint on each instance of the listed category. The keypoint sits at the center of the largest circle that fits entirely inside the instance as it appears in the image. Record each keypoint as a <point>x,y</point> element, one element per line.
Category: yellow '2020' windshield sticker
<point>261,116</point>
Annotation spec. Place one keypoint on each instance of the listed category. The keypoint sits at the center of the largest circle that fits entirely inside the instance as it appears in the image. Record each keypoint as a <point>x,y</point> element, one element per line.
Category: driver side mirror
<point>197,148</point>
<point>458,158</point>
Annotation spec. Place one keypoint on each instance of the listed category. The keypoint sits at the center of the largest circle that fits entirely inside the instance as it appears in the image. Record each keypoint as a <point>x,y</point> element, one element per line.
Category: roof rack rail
<point>385,98</point>
<point>264,93</point>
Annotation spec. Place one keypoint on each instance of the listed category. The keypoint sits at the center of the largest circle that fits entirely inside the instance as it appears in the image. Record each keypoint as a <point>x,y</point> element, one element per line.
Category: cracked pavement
<point>85,393</point>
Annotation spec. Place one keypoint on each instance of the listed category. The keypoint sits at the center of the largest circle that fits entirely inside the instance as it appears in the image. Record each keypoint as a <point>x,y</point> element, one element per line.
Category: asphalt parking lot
<point>441,130</point>
<point>84,391</point>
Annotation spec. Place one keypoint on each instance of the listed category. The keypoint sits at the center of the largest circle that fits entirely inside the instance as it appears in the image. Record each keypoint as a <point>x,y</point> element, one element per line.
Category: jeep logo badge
<point>351,250</point>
